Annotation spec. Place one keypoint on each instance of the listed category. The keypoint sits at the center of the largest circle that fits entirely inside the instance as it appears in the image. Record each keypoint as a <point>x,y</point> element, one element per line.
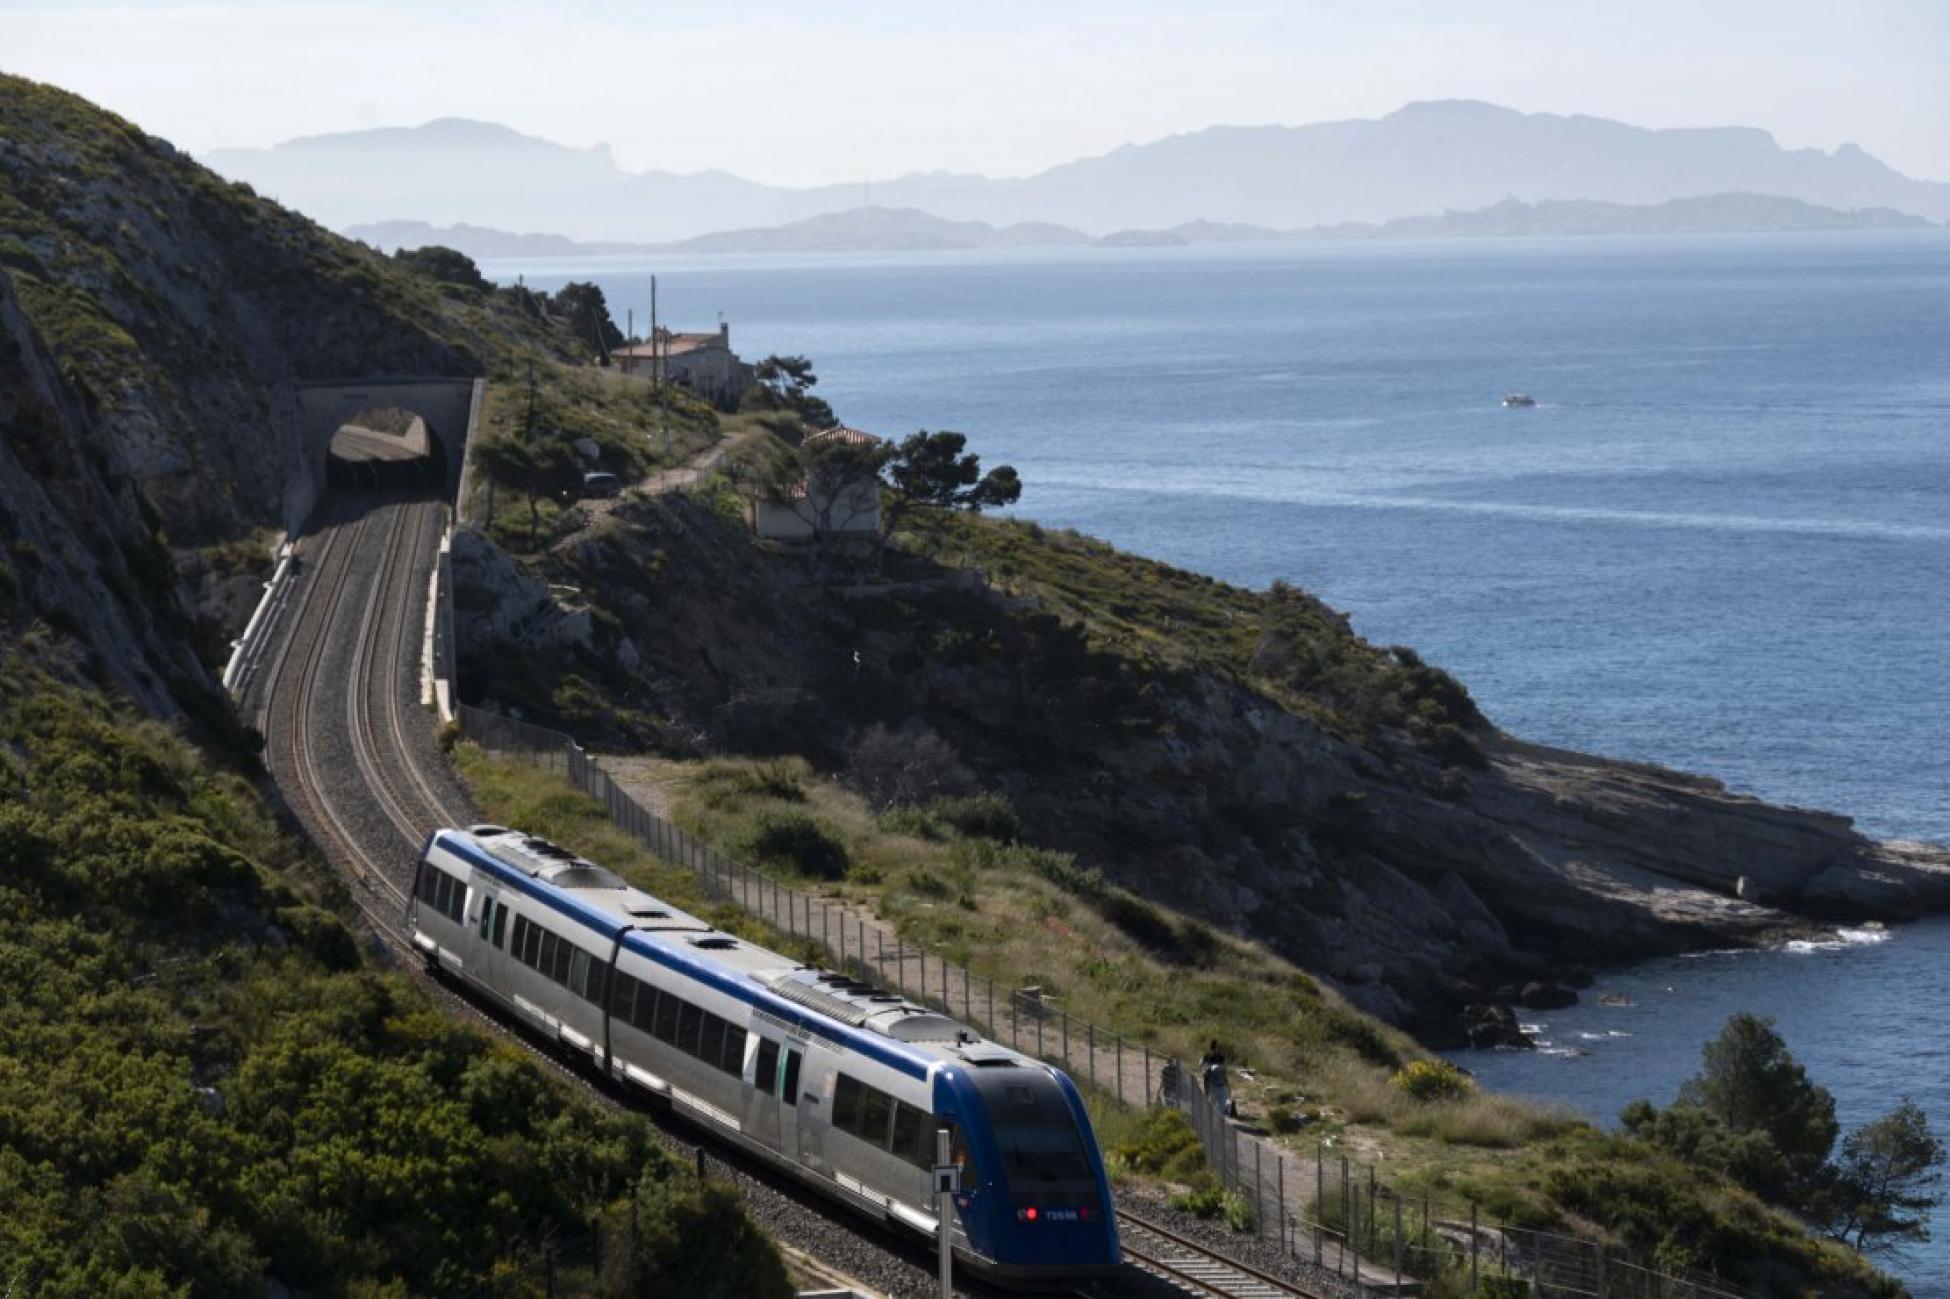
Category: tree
<point>786,383</point>
<point>1697,1137</point>
<point>1751,1082</point>
<point>444,264</point>
<point>535,467</point>
<point>1884,1181</point>
<point>832,485</point>
<point>936,469</point>
<point>588,315</point>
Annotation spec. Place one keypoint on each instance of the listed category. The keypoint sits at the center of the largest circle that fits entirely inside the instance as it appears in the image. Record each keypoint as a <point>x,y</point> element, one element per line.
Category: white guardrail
<point>437,645</point>
<point>249,648</point>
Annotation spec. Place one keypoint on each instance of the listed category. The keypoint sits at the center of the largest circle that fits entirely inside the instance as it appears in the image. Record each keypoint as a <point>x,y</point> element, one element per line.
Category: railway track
<point>1190,1267</point>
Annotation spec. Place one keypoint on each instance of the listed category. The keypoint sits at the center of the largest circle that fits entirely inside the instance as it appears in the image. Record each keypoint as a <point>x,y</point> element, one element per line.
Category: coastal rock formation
<point>1420,868</point>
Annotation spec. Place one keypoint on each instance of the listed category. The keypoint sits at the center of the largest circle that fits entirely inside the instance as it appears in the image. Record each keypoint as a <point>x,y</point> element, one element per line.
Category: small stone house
<point>704,363</point>
<point>847,510</point>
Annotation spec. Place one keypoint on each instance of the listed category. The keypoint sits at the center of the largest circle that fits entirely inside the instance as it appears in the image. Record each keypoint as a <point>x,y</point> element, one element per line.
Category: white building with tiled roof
<point>826,507</point>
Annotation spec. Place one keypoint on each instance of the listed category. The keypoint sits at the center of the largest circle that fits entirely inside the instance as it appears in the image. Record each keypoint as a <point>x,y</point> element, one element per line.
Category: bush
<point>1207,1198</point>
<point>911,765</point>
<point>1163,1145</point>
<point>1433,1080</point>
<point>794,841</point>
<point>1284,1121</point>
<point>979,816</point>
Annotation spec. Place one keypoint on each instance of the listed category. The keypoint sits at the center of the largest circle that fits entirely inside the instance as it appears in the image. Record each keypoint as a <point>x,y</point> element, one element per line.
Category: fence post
<point>1372,1239</point>
<point>1259,1192</point>
<point>1398,1244</point>
<point>1473,1242</point>
<point>1354,1229</point>
<point>1282,1192</point>
<point>1350,1218</point>
<point>1320,1195</point>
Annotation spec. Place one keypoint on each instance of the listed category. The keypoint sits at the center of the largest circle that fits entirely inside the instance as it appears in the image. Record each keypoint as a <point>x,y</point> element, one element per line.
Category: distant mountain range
<point>878,229</point>
<point>1454,155</point>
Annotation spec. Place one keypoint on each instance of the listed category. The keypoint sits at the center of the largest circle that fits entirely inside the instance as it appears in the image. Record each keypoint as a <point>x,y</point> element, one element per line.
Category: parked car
<point>601,484</point>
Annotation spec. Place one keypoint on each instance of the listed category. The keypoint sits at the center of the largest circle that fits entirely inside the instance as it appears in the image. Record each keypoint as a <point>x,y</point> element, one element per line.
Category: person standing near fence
<point>1212,1073</point>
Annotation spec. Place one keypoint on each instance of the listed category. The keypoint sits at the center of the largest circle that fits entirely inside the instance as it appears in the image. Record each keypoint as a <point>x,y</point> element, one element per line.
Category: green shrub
<point>1284,1121</point>
<point>1207,1198</point>
<point>1432,1080</point>
<point>979,816</point>
<point>792,840</point>
<point>914,821</point>
<point>1163,1144</point>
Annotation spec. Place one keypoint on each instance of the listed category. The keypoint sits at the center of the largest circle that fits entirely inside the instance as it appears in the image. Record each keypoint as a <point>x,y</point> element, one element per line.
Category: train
<point>838,1082</point>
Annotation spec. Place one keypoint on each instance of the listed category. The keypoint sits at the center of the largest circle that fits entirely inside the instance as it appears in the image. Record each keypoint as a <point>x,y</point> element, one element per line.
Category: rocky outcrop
<point>1417,889</point>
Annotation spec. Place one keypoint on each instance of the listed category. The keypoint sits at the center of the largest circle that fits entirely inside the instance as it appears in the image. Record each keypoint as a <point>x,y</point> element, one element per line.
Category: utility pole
<point>659,354</point>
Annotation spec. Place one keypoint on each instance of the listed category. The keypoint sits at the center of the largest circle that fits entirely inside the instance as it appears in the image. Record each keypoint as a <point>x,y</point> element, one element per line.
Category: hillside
<point>208,1089</point>
<point>1239,755</point>
<point>1423,158</point>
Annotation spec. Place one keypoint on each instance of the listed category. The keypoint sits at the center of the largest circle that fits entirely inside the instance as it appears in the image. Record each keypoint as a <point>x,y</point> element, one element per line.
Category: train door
<point>762,1111</point>
<point>489,938</point>
<point>789,1089</point>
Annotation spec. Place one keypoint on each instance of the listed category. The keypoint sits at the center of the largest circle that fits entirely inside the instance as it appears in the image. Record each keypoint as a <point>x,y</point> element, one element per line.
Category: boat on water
<point>1516,399</point>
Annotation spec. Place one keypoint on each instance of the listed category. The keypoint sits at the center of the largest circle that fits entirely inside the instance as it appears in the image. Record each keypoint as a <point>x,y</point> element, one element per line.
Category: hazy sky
<point>802,93</point>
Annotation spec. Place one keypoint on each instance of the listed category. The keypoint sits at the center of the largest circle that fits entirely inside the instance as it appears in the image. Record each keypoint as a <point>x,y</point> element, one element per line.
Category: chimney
<point>724,333</point>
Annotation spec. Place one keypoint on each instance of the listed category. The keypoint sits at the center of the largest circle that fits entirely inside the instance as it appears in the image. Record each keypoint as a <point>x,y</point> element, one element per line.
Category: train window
<point>487,916</point>
<point>500,922</point>
<point>564,949</point>
<point>765,1073</point>
<point>733,1059</point>
<point>546,963</point>
<point>876,1109</point>
<point>846,1104</point>
<point>579,972</point>
<point>667,1009</point>
<point>913,1135</point>
<point>690,1021</point>
<point>789,1089</point>
<point>645,1015</point>
<point>712,1046</point>
<point>531,952</point>
<point>622,997</point>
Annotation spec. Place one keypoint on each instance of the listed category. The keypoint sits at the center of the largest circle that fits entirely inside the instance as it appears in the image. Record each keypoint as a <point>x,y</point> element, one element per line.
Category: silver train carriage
<point>841,1083</point>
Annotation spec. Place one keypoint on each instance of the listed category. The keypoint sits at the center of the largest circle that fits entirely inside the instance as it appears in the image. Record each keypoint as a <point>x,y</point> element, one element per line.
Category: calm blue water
<point>1721,541</point>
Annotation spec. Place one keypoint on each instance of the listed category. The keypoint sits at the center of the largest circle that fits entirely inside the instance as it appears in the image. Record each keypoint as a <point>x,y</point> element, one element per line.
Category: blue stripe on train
<point>883,1050</point>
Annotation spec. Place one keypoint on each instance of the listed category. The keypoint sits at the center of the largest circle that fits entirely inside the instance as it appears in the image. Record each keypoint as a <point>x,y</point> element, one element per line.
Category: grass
<point>952,877</point>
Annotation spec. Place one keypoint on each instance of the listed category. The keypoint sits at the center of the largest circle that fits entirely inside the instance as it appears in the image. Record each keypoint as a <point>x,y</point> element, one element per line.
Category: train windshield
<point>1034,1131</point>
<point>1041,1155</point>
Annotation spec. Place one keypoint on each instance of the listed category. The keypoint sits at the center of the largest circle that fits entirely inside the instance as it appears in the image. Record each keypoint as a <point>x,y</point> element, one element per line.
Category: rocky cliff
<point>155,320</point>
<point>1239,755</point>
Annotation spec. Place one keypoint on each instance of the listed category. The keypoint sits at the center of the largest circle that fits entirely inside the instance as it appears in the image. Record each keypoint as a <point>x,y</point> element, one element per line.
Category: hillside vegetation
<point>205,1088</point>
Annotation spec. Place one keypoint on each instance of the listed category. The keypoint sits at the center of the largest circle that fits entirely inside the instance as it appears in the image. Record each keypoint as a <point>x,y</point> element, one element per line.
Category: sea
<point>1720,539</point>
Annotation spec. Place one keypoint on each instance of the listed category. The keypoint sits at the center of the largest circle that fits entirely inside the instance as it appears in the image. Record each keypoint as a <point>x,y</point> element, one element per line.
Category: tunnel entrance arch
<point>446,408</point>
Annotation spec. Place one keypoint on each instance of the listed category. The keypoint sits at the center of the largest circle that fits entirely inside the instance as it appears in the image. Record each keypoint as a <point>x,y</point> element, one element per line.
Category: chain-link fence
<point>1325,1209</point>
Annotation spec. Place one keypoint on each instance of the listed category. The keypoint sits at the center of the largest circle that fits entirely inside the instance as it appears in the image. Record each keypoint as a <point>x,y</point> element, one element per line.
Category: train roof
<point>827,994</point>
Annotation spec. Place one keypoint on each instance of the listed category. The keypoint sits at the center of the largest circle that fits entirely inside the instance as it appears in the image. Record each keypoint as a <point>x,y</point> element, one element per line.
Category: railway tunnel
<point>389,436</point>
